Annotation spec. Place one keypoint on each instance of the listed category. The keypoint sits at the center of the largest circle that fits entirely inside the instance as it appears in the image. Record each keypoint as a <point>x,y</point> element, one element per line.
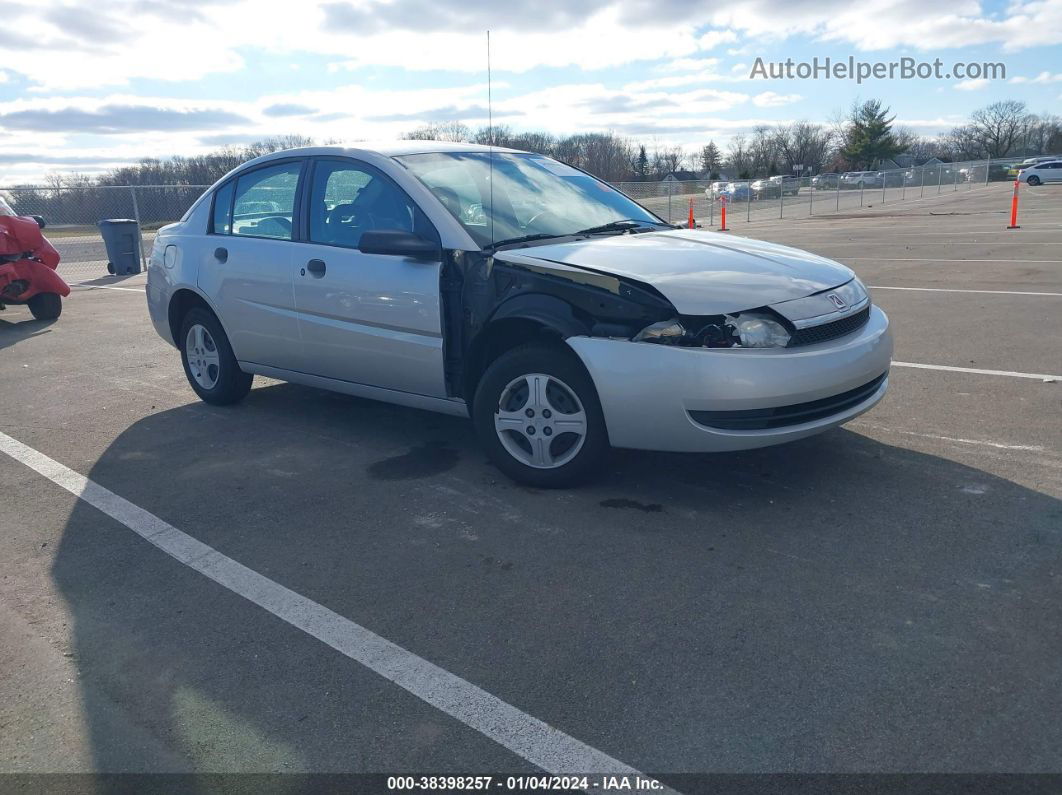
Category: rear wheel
<point>46,306</point>
<point>537,414</point>
<point>209,362</point>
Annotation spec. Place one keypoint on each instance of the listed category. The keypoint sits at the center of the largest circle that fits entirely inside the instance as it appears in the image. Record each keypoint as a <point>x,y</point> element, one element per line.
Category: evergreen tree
<point>710,159</point>
<point>868,136</point>
<point>641,166</point>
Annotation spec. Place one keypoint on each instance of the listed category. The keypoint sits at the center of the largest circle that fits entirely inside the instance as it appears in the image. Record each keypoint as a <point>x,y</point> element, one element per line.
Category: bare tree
<point>763,151</point>
<point>1041,134</point>
<point>666,160</point>
<point>964,143</point>
<point>923,148</point>
<point>999,127</point>
<point>737,157</point>
<point>440,131</point>
<point>804,144</point>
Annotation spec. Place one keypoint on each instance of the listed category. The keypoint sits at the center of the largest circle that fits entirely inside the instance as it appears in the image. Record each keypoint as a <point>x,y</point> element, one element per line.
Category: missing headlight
<point>752,329</point>
<point>667,332</point>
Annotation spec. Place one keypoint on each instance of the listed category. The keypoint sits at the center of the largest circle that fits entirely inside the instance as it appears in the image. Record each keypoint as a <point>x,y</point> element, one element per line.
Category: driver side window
<point>347,200</point>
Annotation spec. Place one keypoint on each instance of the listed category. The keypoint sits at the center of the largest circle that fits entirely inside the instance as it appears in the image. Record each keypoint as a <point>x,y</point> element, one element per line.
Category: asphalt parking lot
<point>881,598</point>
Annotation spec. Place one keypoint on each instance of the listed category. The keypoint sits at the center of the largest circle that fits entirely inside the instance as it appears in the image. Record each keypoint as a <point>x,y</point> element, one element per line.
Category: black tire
<point>231,384</point>
<point>1034,180</point>
<point>558,363</point>
<point>46,306</point>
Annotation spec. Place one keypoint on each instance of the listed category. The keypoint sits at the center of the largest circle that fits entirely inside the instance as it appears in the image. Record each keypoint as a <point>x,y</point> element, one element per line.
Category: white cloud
<point>771,99</point>
<point>884,24</point>
<point>972,85</point>
<point>118,41</point>
<point>714,38</point>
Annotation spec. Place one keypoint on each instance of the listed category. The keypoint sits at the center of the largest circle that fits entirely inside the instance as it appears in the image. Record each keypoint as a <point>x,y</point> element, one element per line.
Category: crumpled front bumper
<point>648,391</point>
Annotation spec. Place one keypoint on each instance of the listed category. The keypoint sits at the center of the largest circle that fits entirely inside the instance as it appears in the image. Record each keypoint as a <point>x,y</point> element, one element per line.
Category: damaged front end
<point>815,318</point>
<point>753,329</point>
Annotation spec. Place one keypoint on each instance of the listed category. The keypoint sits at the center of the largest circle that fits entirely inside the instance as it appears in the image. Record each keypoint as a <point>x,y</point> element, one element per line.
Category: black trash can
<point>121,237</point>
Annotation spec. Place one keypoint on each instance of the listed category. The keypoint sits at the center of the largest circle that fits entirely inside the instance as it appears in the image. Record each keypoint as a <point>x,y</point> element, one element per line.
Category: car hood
<point>699,272</point>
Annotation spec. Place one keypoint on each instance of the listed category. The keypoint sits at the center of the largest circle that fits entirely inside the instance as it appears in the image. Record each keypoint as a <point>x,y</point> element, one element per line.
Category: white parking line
<point>929,259</point>
<point>108,287</point>
<point>892,231</point>
<point>527,736</point>
<point>1025,448</point>
<point>976,371</point>
<point>956,290</point>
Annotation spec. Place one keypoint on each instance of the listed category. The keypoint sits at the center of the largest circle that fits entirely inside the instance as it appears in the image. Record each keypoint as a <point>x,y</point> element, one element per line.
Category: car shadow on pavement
<point>14,331</point>
<point>834,604</point>
<point>109,279</point>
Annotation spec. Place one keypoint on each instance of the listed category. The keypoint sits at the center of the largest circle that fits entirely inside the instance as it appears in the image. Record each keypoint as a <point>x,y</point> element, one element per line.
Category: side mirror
<point>39,219</point>
<point>398,243</point>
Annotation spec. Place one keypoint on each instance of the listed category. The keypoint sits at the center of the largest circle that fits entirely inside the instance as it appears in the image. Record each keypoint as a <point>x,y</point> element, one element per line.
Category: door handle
<point>316,267</point>
<point>221,254</point>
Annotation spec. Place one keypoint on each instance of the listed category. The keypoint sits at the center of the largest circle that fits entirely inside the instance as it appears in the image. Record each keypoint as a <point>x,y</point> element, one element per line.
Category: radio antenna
<point>490,104</point>
<point>490,142</point>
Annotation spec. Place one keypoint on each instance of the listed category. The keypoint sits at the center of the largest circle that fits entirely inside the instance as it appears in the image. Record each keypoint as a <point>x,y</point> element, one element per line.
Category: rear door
<point>247,268</point>
<point>366,318</point>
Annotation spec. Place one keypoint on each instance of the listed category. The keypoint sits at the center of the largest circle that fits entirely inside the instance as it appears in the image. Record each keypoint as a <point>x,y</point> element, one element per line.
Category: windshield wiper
<point>523,239</point>
<point>613,226</point>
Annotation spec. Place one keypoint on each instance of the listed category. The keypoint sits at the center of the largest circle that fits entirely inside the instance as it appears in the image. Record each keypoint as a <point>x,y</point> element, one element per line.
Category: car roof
<point>384,148</point>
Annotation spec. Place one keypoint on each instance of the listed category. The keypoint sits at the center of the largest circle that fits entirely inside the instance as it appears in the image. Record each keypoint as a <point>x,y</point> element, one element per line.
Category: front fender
<point>547,310</point>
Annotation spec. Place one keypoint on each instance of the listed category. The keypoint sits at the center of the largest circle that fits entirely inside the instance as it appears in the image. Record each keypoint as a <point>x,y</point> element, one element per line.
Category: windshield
<point>5,208</point>
<point>532,195</point>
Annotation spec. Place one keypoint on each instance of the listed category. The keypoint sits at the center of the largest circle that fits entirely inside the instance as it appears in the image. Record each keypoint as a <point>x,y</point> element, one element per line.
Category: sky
<point>87,86</point>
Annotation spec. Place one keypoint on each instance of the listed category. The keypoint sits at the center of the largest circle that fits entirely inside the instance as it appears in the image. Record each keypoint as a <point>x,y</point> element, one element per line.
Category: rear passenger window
<point>265,202</point>
<point>222,222</point>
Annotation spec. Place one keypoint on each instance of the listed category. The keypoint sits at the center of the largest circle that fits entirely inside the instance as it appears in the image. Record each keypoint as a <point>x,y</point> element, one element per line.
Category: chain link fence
<point>781,197</point>
<point>72,213</point>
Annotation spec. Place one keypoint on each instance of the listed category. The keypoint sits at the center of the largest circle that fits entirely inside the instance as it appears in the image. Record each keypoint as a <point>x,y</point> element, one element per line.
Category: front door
<point>366,318</point>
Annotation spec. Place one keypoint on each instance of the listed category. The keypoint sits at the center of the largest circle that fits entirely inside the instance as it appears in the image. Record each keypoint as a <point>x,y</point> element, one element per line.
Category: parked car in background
<point>1001,172</point>
<point>773,187</point>
<point>827,181</point>
<point>735,191</point>
<point>1032,161</point>
<point>1044,171</point>
<point>893,178</point>
<point>579,322</point>
<point>716,188</point>
<point>861,179</point>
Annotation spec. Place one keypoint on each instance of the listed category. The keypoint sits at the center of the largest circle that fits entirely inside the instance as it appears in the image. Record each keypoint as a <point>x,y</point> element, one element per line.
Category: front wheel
<point>537,414</point>
<point>1034,180</point>
<point>46,306</point>
<point>209,362</point>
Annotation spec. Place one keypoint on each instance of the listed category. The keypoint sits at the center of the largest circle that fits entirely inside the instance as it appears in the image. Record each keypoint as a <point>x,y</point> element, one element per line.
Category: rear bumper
<point>701,400</point>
